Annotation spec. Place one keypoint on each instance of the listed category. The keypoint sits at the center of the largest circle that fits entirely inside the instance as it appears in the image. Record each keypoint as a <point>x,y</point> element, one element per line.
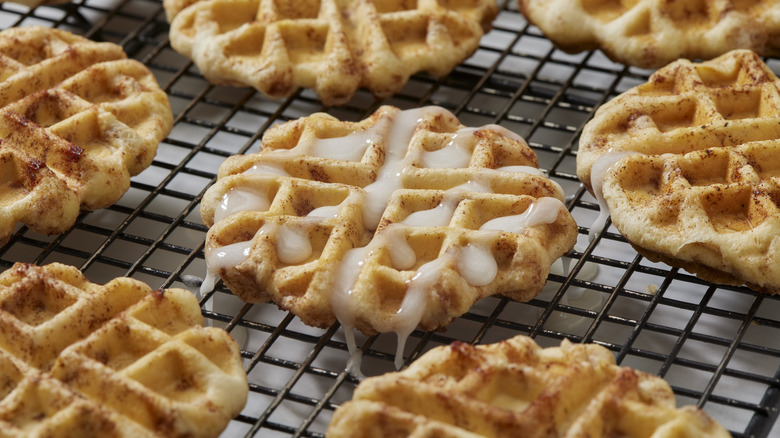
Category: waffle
<point>652,33</point>
<point>404,219</point>
<point>114,360</point>
<point>77,119</point>
<point>687,165</point>
<point>332,46</point>
<point>515,388</point>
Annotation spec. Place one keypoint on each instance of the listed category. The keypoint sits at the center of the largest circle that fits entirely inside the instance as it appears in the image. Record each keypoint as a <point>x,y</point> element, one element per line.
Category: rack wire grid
<point>718,347</point>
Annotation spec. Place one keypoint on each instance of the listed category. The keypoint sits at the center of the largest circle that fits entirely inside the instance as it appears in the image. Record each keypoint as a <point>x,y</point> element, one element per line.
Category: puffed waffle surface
<point>114,360</point>
<point>334,47</point>
<point>689,168</point>
<point>391,253</point>
<point>653,33</point>
<point>77,120</point>
<point>517,388</point>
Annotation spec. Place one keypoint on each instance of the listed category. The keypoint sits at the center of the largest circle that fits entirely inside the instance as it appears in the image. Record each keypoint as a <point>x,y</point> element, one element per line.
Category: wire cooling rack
<point>719,347</point>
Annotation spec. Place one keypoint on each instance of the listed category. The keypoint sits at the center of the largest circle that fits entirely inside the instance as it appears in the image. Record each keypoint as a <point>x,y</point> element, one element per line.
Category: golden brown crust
<point>117,360</point>
<point>652,33</point>
<point>516,388</point>
<point>699,189</point>
<point>334,47</point>
<point>77,120</point>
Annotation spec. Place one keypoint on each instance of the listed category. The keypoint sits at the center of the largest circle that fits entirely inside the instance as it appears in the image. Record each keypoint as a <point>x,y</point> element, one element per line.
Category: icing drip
<point>597,172</point>
<point>223,257</point>
<point>355,357</point>
<point>346,275</point>
<point>477,264</point>
<point>240,199</point>
<point>413,305</point>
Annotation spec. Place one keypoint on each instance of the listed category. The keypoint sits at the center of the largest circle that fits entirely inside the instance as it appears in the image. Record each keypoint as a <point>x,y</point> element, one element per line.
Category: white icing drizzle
<point>542,211</point>
<point>394,131</point>
<point>456,154</point>
<point>438,216</point>
<point>399,130</point>
<point>240,199</point>
<point>327,211</point>
<point>266,169</point>
<point>401,254</point>
<point>338,149</point>
<point>335,148</point>
<point>597,172</point>
<point>479,184</point>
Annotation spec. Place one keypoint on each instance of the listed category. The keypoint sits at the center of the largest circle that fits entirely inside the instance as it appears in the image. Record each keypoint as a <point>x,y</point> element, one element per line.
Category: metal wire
<point>716,345</point>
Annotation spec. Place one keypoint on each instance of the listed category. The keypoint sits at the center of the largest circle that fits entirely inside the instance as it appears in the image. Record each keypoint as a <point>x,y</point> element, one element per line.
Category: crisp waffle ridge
<point>652,33</point>
<point>352,221</point>
<point>332,46</point>
<point>688,166</point>
<point>113,360</point>
<point>517,388</point>
<point>77,120</point>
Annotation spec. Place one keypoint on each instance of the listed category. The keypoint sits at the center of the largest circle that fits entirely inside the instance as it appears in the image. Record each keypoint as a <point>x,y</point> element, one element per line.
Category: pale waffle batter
<point>116,360</point>
<point>687,165</point>
<point>77,120</point>
<point>332,46</point>
<point>399,221</point>
<point>652,33</point>
<point>515,388</point>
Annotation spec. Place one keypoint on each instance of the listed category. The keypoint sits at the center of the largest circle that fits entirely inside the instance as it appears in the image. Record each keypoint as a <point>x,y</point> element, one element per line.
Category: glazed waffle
<point>386,224</point>
<point>119,360</point>
<point>516,388</point>
<point>334,47</point>
<point>77,119</point>
<point>688,168</point>
<point>652,33</point>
